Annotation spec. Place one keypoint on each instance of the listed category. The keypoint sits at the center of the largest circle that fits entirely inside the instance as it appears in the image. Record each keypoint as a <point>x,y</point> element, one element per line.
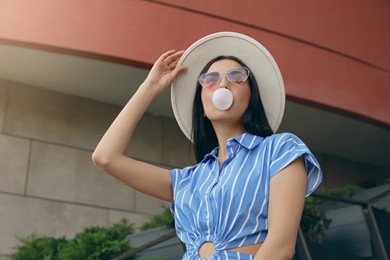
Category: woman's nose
<point>224,82</point>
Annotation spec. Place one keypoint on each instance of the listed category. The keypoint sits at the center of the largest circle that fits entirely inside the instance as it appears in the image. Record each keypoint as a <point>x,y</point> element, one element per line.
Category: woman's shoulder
<point>186,168</point>
<point>279,138</point>
<point>281,143</point>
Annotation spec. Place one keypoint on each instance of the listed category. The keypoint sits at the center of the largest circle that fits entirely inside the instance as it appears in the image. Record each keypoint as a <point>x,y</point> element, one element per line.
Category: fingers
<point>173,64</point>
<point>178,70</point>
<point>165,55</point>
<point>168,62</point>
<point>171,57</point>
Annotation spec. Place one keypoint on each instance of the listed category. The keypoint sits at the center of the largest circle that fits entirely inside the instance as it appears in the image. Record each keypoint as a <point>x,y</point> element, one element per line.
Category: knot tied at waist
<point>213,250</point>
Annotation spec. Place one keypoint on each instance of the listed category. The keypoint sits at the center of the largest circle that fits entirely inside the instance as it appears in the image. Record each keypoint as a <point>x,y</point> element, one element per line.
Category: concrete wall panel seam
<point>28,168</point>
<point>72,203</point>
<point>7,84</point>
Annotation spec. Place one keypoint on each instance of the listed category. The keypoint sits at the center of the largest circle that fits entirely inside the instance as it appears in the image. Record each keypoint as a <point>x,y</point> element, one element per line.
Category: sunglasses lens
<point>208,80</point>
<point>238,76</point>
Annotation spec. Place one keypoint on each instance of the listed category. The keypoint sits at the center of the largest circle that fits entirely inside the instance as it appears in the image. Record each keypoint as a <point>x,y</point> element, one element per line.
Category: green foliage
<point>314,222</point>
<point>164,219</point>
<point>34,247</point>
<point>151,258</point>
<point>345,191</point>
<point>122,229</point>
<point>95,243</point>
<point>92,243</point>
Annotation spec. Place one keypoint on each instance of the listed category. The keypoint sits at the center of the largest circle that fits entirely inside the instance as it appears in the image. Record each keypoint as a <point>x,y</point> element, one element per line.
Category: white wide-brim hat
<point>256,57</point>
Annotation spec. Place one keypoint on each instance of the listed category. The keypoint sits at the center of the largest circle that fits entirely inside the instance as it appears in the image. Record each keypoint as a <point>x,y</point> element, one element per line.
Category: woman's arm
<point>109,154</point>
<point>286,201</point>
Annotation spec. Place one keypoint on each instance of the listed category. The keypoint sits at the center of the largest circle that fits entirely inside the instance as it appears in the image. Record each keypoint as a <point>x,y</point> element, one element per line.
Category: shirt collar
<point>246,140</point>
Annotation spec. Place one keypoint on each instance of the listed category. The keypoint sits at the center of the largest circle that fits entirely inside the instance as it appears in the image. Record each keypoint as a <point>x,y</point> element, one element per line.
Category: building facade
<point>67,68</point>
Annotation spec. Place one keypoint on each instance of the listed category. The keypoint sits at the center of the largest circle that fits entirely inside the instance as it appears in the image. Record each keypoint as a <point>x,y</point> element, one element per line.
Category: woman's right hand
<point>164,71</point>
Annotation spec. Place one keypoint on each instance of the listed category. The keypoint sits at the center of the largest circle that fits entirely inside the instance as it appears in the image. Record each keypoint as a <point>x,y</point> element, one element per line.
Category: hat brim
<point>257,58</point>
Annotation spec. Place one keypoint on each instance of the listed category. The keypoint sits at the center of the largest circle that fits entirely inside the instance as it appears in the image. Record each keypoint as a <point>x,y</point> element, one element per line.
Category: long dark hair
<point>254,119</point>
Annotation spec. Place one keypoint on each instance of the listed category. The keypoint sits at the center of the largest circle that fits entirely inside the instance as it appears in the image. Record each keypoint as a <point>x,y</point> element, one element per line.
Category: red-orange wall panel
<point>305,46</point>
<point>358,28</point>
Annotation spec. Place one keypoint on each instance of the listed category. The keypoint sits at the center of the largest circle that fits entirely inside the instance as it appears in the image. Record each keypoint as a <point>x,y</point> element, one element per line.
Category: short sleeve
<point>175,178</point>
<point>287,148</point>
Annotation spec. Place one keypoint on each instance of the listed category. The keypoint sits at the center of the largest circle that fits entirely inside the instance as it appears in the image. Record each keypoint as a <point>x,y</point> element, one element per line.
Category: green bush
<point>164,219</point>
<point>343,192</point>
<point>34,247</point>
<point>95,243</point>
<point>314,222</point>
<point>92,243</point>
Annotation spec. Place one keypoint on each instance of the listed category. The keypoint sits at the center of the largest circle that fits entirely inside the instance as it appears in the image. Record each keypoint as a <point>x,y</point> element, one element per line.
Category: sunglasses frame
<point>202,76</point>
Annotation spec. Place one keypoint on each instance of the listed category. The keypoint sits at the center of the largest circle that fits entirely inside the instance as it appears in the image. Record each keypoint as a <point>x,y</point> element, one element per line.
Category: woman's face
<point>241,95</point>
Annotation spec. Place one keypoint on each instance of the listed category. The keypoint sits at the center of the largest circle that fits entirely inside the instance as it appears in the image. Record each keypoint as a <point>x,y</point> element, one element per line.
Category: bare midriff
<point>208,248</point>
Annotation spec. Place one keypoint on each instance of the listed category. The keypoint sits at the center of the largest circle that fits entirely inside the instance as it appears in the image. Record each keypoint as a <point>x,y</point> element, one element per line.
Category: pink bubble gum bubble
<point>222,99</point>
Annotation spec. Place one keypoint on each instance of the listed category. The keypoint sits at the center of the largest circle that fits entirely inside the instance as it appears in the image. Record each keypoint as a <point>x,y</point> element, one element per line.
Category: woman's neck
<point>225,132</point>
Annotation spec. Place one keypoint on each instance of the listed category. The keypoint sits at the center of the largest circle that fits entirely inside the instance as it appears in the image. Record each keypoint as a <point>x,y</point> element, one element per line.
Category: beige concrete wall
<point>48,183</point>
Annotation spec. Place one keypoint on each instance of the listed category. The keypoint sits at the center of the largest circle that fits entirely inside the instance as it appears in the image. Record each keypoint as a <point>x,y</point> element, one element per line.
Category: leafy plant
<point>164,219</point>
<point>34,247</point>
<point>92,243</point>
<point>344,192</point>
<point>314,222</point>
<point>95,243</point>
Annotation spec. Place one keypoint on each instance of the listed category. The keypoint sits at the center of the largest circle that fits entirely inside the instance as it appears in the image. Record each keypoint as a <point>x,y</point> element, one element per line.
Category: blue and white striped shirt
<point>228,204</point>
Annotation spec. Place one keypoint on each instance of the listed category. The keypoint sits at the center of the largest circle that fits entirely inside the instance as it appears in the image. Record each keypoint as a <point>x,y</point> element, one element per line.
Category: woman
<point>244,198</point>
